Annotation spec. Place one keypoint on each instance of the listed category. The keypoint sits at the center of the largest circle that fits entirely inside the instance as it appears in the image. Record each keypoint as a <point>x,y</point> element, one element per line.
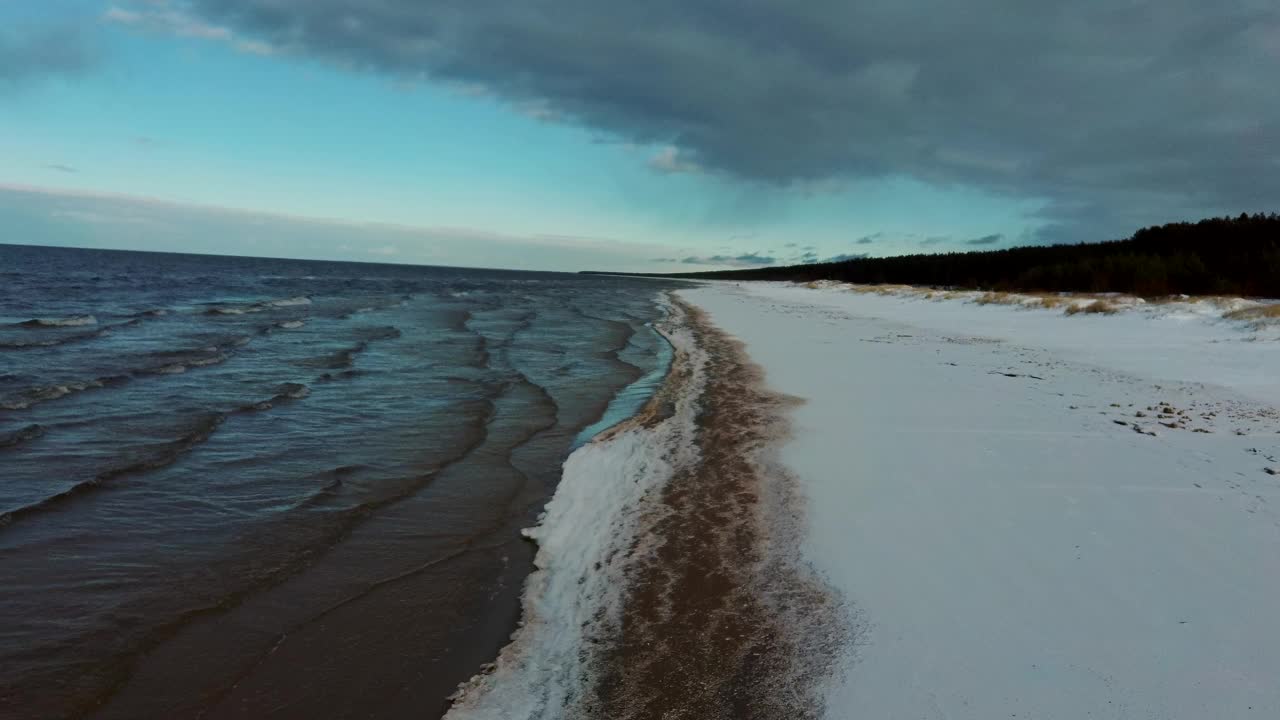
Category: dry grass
<point>1097,307</point>
<point>1258,312</point>
<point>1229,303</point>
<point>882,289</point>
<point>1026,300</point>
<point>1049,302</point>
<point>999,298</point>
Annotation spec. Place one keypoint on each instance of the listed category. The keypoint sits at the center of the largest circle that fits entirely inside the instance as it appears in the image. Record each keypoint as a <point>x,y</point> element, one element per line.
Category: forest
<point>1228,255</point>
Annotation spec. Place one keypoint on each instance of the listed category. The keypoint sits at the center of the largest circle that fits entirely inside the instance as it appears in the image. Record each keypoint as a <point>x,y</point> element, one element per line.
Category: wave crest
<point>72,321</point>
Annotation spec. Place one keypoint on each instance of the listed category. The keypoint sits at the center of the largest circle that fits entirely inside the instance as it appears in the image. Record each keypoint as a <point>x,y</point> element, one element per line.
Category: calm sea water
<point>235,487</point>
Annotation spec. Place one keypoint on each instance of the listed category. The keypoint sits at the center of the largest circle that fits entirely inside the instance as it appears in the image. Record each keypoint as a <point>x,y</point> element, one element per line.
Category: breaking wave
<point>73,321</point>
<point>256,307</point>
<point>38,340</point>
<point>44,393</point>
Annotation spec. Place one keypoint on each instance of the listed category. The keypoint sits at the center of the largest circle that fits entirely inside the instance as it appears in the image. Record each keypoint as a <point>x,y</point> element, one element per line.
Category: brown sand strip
<point>721,620</point>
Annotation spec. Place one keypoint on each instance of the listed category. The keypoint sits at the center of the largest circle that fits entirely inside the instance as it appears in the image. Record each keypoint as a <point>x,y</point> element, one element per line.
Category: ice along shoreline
<point>667,580</point>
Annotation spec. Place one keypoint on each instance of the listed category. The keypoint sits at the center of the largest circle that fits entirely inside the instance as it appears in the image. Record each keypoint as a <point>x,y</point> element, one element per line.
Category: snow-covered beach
<point>887,503</point>
<point>1031,514</point>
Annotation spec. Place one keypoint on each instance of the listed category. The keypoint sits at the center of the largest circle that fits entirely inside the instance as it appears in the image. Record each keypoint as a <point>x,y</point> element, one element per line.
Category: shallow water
<point>236,486</point>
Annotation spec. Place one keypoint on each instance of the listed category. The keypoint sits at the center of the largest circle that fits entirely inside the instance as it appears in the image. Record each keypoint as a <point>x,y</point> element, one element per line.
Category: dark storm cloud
<point>868,239</point>
<point>1112,113</point>
<point>34,53</point>
<point>985,240</point>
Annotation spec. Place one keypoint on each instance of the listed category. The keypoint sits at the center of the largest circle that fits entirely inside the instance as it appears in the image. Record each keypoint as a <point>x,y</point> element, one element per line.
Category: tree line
<point>1228,255</point>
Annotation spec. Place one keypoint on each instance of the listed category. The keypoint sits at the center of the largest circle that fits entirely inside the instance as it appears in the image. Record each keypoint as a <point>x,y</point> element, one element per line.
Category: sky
<point>600,134</point>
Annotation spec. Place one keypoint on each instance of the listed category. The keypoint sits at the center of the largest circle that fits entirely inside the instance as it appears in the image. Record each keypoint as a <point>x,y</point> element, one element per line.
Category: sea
<point>240,487</point>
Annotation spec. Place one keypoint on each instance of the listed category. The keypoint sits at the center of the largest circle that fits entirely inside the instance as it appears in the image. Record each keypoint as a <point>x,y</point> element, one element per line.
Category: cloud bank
<point>1112,114</point>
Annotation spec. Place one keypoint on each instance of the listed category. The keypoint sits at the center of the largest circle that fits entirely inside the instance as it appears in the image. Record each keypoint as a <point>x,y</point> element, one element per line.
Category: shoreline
<point>932,508</point>
<point>720,619</point>
<point>682,595</point>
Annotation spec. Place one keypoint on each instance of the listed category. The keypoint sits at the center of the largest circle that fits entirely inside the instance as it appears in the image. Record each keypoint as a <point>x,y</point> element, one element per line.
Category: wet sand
<point>721,619</point>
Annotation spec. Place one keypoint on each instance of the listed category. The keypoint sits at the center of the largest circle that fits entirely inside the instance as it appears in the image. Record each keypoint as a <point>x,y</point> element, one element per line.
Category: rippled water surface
<point>236,487</point>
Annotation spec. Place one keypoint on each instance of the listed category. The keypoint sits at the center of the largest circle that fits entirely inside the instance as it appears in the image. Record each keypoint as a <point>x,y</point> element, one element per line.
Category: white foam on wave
<point>586,539</point>
<point>289,302</point>
<point>257,307</point>
<point>73,321</point>
<point>45,393</point>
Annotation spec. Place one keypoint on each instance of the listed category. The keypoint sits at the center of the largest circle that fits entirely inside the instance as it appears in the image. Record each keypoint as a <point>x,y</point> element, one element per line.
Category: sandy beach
<point>1031,514</point>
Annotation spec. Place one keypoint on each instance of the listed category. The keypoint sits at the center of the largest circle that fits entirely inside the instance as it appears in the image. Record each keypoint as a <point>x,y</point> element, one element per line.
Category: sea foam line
<point>590,531</point>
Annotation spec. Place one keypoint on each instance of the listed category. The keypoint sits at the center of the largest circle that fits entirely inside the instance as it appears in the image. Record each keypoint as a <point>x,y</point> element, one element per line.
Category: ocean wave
<point>345,358</point>
<point>202,429</point>
<point>175,362</point>
<point>165,362</point>
<point>258,306</point>
<point>26,343</point>
<point>18,437</point>
<point>41,340</point>
<point>371,334</point>
<point>289,302</point>
<point>231,310</point>
<point>587,536</point>
<point>155,457</point>
<point>158,456</point>
<point>44,393</point>
<point>376,304</point>
<point>292,391</point>
<point>283,393</point>
<point>333,481</point>
<point>49,503</point>
<point>345,374</point>
<point>192,361</point>
<point>72,321</point>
